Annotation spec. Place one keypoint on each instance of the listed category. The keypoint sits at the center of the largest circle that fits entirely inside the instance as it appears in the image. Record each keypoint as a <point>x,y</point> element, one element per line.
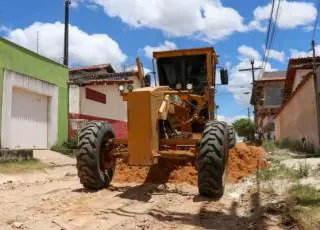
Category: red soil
<point>243,161</point>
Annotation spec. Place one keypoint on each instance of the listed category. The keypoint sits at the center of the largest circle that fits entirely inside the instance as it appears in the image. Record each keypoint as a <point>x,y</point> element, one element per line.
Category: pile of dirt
<point>163,172</point>
<point>243,161</point>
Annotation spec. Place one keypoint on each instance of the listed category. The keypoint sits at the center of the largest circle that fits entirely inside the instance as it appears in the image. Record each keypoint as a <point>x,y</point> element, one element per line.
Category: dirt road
<point>54,199</point>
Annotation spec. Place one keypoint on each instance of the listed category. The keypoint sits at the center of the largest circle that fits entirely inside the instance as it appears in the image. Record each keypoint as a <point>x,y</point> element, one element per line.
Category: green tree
<point>244,128</point>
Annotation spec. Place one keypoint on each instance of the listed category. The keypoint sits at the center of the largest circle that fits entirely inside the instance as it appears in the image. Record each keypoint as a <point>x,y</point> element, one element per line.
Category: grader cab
<point>175,119</point>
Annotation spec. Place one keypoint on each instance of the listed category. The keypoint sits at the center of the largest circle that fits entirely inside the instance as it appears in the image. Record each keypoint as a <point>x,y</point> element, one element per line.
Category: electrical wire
<point>268,32</point>
<point>272,38</point>
<point>316,22</point>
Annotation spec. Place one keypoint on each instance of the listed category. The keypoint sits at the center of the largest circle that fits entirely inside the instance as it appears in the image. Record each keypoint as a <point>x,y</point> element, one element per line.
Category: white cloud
<point>4,29</point>
<point>231,119</point>
<point>167,45</point>
<point>291,15</point>
<point>240,82</point>
<point>84,49</point>
<point>277,55</point>
<point>75,3</point>
<point>206,20</point>
<point>310,28</point>
<point>248,52</point>
<point>296,53</point>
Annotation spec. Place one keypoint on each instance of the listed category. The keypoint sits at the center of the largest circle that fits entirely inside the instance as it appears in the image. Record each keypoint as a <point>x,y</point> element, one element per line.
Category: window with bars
<point>274,96</point>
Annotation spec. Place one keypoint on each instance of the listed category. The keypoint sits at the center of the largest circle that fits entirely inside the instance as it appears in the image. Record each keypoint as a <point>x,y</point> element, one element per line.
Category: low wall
<point>15,155</point>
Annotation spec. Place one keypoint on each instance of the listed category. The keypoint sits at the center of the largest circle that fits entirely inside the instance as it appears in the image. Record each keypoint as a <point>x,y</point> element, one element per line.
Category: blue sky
<point>117,31</point>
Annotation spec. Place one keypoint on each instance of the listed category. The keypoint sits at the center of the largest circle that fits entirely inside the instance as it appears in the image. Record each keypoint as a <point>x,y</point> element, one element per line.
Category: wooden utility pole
<point>316,87</point>
<point>252,69</point>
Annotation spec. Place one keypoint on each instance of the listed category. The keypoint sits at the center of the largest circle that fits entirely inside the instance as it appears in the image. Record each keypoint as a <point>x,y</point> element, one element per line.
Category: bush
<point>66,147</point>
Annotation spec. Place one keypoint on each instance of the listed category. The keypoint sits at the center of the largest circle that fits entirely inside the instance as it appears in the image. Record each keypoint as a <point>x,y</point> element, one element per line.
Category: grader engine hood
<point>143,137</point>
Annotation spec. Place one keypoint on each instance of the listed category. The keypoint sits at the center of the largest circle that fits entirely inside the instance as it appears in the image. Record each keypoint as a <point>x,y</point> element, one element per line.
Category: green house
<point>33,99</point>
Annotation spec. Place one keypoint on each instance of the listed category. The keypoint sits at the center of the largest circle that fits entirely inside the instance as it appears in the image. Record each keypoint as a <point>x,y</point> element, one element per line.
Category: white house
<point>98,99</point>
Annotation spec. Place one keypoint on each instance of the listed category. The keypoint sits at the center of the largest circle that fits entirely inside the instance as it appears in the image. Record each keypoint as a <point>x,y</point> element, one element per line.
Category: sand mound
<point>243,161</point>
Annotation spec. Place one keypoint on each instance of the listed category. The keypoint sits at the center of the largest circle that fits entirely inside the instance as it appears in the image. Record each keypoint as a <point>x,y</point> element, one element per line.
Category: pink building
<point>297,117</point>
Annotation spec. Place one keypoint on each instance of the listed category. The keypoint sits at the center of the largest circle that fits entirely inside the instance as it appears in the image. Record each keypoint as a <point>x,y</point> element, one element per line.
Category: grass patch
<point>67,148</point>
<point>278,170</point>
<point>22,166</point>
<point>297,145</point>
<point>305,209</point>
<point>269,146</point>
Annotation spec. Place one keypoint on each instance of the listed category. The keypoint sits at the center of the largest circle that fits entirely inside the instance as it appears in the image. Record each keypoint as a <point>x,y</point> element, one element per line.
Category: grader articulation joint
<point>174,119</point>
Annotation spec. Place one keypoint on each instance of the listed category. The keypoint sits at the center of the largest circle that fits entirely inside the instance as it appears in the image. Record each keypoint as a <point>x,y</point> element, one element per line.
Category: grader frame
<point>165,121</point>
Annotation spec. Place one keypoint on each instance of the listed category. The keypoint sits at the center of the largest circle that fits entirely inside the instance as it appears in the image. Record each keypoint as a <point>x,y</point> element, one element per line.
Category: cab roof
<point>186,52</point>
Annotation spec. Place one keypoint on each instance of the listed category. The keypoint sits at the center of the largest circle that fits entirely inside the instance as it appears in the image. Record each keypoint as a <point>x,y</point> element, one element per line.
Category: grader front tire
<point>213,159</point>
<point>91,156</point>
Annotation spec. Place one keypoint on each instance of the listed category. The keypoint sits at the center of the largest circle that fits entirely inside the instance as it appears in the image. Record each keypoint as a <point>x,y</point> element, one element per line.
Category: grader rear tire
<point>213,159</point>
<point>91,156</point>
<point>232,137</point>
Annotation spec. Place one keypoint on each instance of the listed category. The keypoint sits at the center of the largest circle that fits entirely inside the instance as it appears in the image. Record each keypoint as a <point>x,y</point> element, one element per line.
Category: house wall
<point>13,80</point>
<point>114,110</point>
<point>18,59</point>
<point>298,117</point>
<point>298,78</point>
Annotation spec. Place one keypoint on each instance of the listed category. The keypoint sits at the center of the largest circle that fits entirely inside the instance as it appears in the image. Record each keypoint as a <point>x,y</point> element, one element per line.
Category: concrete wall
<point>298,118</point>
<point>18,59</point>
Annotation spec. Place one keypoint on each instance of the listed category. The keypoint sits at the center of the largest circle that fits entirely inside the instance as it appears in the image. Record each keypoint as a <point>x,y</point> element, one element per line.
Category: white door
<point>29,120</point>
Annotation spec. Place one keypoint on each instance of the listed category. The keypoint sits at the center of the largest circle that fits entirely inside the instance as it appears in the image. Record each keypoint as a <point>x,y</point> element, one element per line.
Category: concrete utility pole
<point>249,113</point>
<point>316,89</point>
<point>252,69</point>
<point>66,33</point>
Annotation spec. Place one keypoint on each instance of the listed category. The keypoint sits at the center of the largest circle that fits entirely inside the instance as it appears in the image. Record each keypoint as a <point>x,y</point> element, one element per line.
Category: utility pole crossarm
<point>256,68</point>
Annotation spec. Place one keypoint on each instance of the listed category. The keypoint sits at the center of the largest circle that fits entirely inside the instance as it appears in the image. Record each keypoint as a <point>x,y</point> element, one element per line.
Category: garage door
<point>29,120</point>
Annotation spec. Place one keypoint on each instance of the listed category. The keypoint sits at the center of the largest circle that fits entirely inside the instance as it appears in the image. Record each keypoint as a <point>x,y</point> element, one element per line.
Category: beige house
<point>266,98</point>
<point>297,117</point>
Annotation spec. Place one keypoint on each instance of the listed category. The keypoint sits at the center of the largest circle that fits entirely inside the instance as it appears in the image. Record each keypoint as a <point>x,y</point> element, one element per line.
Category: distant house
<point>33,96</point>
<point>297,117</point>
<point>266,98</point>
<point>98,99</point>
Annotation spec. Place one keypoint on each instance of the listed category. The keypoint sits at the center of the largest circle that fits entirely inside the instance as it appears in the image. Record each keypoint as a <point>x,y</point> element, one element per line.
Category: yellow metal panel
<point>143,137</point>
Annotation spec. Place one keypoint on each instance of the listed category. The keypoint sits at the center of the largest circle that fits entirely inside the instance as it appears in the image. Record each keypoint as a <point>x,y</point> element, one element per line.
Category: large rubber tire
<point>212,160</point>
<point>232,137</point>
<point>91,147</point>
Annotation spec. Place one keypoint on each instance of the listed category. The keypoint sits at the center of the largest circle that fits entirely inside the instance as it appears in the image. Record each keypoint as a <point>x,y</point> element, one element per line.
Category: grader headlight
<point>121,88</point>
<point>189,86</point>
<point>178,86</point>
<point>130,88</point>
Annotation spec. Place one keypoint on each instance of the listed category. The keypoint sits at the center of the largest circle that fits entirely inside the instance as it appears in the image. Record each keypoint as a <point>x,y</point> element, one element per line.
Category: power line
<point>268,32</point>
<point>270,39</point>
<point>316,22</point>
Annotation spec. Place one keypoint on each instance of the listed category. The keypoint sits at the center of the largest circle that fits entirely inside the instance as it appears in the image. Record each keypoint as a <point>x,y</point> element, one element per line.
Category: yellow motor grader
<point>174,119</point>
